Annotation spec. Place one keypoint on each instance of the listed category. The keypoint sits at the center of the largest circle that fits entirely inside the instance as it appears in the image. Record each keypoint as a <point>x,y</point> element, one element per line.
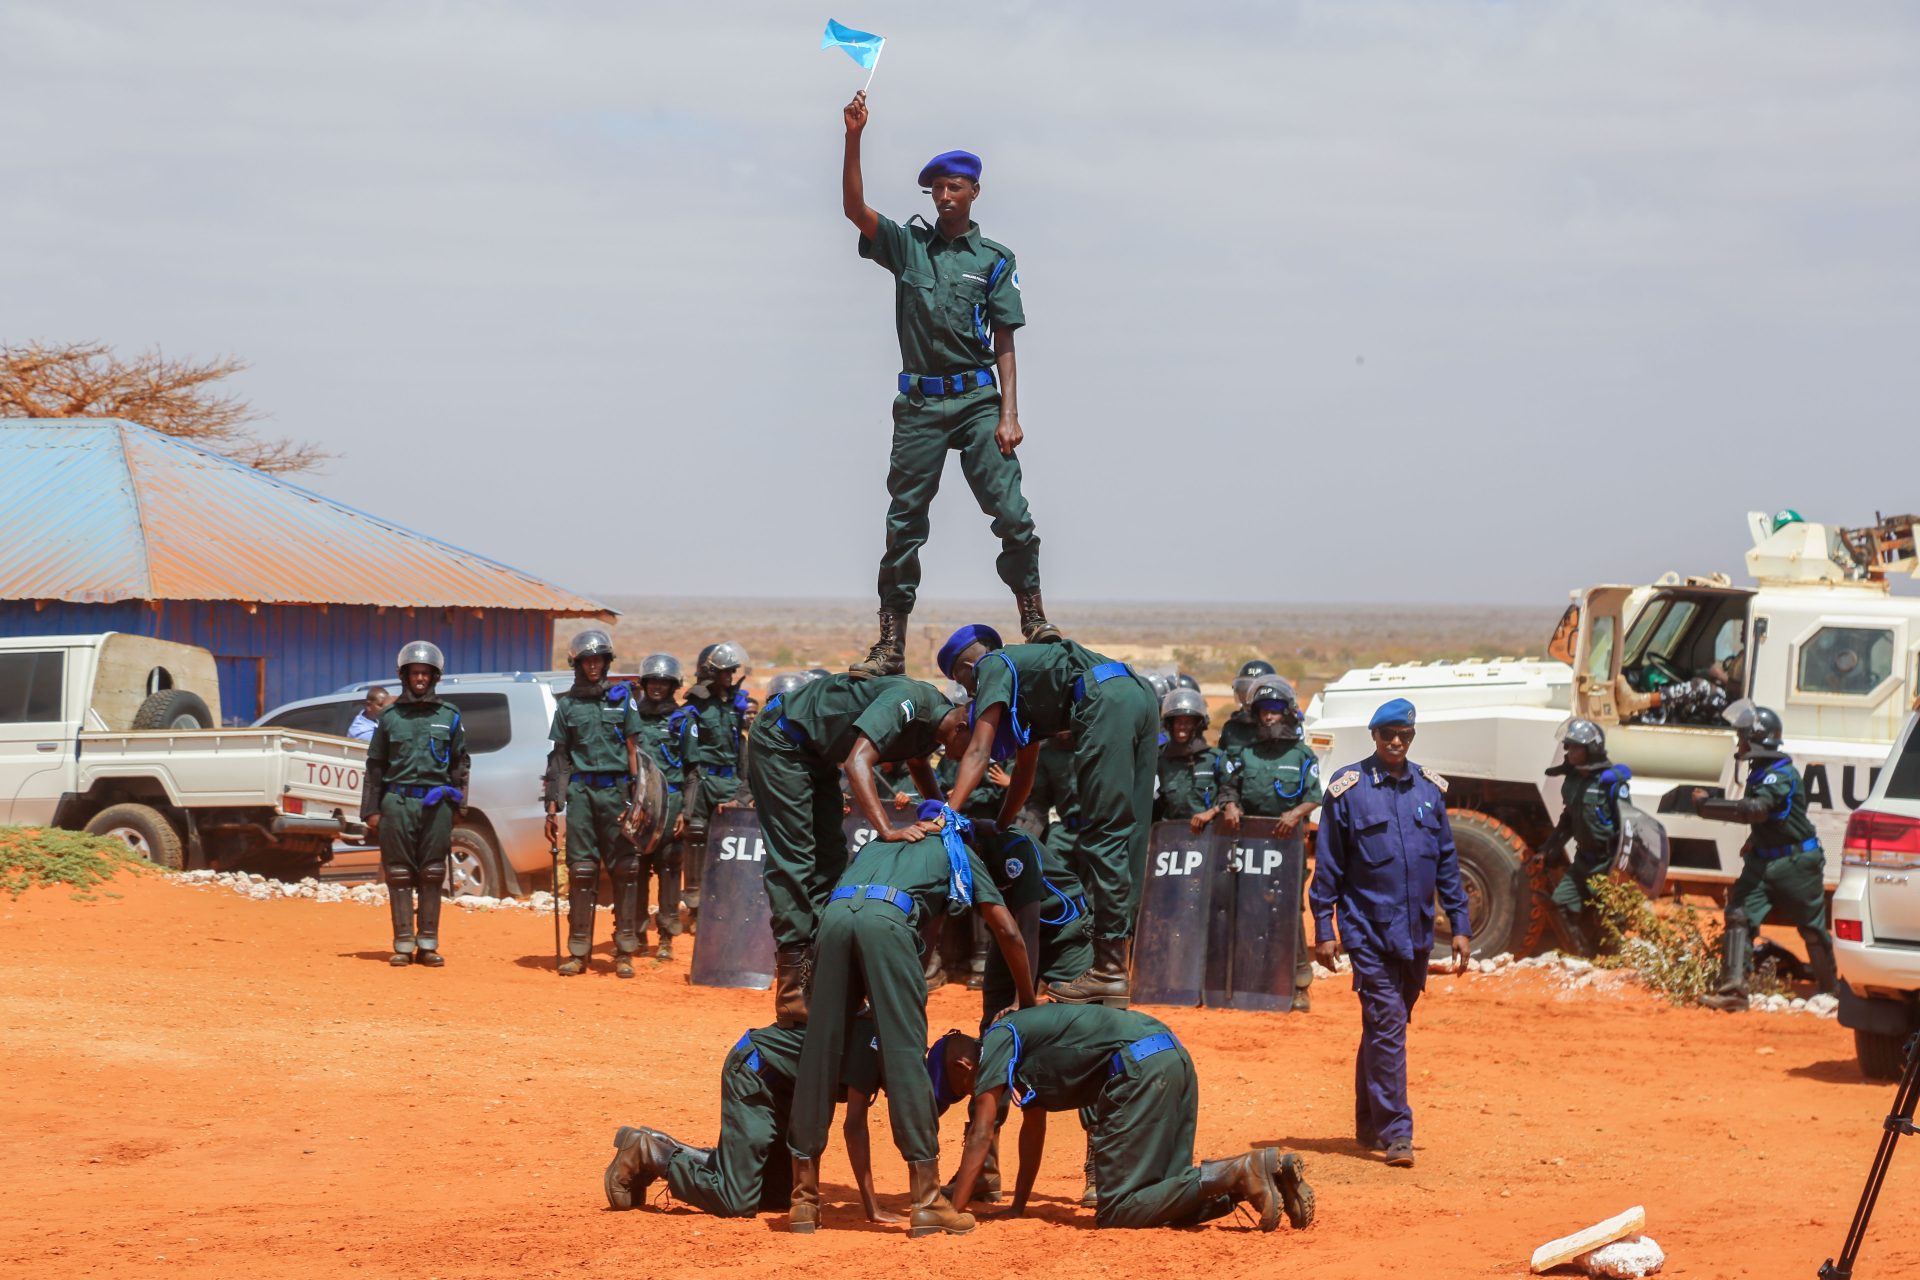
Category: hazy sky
<point>1330,301</point>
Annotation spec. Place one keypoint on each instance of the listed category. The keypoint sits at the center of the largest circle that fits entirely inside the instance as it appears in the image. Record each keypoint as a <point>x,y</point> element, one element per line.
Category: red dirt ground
<point>201,1085</point>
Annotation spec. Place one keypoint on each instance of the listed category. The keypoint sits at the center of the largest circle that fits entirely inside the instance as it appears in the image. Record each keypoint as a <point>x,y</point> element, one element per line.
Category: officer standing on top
<point>1781,865</point>
<point>660,744</point>
<point>1190,771</point>
<point>1238,730</point>
<point>956,307</point>
<point>1385,848</point>
<point>1591,789</point>
<point>1023,695</point>
<point>414,784</point>
<point>592,770</point>
<point>1275,776</point>
<point>710,725</point>
<point>805,739</point>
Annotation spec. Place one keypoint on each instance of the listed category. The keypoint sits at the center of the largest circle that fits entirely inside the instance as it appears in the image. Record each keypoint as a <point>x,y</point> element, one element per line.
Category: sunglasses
<point>1402,733</point>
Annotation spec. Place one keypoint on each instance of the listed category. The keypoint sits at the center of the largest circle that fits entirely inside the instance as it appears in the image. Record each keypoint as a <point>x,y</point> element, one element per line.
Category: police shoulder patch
<point>1438,780</point>
<point>1338,787</point>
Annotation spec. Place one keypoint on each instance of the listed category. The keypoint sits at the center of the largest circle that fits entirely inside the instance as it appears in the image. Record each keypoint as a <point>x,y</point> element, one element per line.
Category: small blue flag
<point>862,46</point>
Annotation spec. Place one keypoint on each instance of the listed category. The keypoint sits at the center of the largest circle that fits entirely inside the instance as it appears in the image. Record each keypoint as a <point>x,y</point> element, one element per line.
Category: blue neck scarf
<point>952,827</point>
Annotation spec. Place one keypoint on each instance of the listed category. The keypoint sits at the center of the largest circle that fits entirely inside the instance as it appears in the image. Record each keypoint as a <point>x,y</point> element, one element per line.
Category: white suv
<point>1876,913</point>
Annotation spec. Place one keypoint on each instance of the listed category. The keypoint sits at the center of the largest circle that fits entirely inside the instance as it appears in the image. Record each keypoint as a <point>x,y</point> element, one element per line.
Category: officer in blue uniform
<point>1385,847</point>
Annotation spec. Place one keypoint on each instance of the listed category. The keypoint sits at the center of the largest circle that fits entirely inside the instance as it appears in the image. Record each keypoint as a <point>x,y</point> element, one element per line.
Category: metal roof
<point>103,510</point>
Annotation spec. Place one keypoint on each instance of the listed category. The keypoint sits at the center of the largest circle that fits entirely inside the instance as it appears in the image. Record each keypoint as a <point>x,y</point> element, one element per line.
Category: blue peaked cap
<point>1399,711</point>
<point>951,164</point>
<point>962,640</point>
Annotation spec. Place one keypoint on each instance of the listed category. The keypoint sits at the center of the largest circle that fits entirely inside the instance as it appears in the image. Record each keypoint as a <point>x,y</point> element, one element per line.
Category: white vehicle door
<point>1596,655</point>
<point>35,738</point>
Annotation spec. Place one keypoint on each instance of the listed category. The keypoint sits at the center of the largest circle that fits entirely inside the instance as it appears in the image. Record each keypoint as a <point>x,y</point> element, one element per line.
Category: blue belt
<point>753,1059</point>
<point>673,788</point>
<point>715,770</point>
<point>882,892</point>
<point>1141,1050</point>
<point>1101,674</point>
<point>419,793</point>
<point>951,384</point>
<point>1073,824</point>
<point>601,781</point>
<point>795,734</point>
<point>1785,850</point>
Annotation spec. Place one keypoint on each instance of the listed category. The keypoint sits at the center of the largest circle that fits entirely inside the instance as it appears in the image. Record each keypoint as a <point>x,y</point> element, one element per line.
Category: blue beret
<point>962,640</point>
<point>951,164</point>
<point>1399,711</point>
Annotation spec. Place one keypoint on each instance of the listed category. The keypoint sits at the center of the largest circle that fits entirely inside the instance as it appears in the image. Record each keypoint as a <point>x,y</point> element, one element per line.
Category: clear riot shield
<point>1170,936</point>
<point>1269,875</point>
<point>733,946</point>
<point>1640,851</point>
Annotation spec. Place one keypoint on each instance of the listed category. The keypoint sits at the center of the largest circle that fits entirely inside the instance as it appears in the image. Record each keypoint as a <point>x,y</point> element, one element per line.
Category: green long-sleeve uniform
<point>1237,731</point>
<point>417,746</point>
<point>1589,816</point>
<point>711,729</point>
<point>800,742</point>
<point>949,298</point>
<point>869,945</point>
<point>1145,1098</point>
<point>747,1170</point>
<point>1267,779</point>
<point>1115,722</point>
<point>588,766</point>
<point>660,743</point>
<point>1189,782</point>
<point>1782,864</point>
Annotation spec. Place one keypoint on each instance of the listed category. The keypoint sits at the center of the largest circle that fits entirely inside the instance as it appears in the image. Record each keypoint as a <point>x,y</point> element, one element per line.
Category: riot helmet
<point>784,684</point>
<point>661,666</point>
<point>1250,671</point>
<point>724,656</point>
<point>1274,693</point>
<point>421,652</point>
<point>1585,733</point>
<point>818,673</point>
<point>1759,729</point>
<point>1184,702</point>
<point>1181,680</point>
<point>1161,683</point>
<point>594,643</point>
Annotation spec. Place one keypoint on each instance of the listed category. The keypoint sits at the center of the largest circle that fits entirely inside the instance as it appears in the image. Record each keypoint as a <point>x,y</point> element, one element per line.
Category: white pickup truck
<point>114,734</point>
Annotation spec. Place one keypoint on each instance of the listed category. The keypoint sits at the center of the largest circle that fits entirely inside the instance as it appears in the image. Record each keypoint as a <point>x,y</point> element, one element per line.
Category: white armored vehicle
<point>1818,636</point>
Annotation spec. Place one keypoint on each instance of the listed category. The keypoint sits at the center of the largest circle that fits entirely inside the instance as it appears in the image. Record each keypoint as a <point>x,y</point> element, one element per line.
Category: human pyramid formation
<point>850,999</point>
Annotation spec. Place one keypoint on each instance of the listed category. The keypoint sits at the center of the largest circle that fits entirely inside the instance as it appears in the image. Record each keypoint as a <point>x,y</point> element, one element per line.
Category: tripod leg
<point>1899,1123</point>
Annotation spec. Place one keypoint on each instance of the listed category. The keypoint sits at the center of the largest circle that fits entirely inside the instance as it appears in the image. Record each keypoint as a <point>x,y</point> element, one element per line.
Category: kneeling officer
<point>415,781</point>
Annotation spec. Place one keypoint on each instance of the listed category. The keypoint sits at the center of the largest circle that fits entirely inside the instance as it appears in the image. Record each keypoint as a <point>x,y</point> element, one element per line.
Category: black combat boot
<point>803,1211</point>
<point>1104,983</point>
<point>1826,977</point>
<point>426,948</point>
<point>888,657</point>
<point>641,1155</point>
<point>1090,1193</point>
<point>400,907</point>
<point>1033,618</point>
<point>1249,1180</point>
<point>1574,925</point>
<point>583,891</point>
<point>933,1213</point>
<point>1736,947</point>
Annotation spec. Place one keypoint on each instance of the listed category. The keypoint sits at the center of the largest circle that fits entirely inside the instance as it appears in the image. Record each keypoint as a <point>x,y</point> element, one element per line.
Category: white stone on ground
<point>1627,1259</point>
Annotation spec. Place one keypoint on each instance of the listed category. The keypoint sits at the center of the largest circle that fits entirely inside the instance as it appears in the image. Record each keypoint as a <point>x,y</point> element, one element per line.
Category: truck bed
<point>225,768</point>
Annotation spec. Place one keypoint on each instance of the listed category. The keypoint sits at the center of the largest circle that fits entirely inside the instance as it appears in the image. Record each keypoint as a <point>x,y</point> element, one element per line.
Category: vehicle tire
<point>473,865</point>
<point>142,829</point>
<point>173,709</point>
<point>1881,1056</point>
<point>1493,870</point>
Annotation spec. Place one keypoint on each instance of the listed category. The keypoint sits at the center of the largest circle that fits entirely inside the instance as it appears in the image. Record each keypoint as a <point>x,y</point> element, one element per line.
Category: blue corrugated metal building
<point>106,525</point>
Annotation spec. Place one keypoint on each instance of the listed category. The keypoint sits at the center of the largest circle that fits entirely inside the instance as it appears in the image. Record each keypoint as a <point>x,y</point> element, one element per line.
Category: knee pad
<point>433,873</point>
<point>396,874</point>
<point>625,869</point>
<point>584,871</point>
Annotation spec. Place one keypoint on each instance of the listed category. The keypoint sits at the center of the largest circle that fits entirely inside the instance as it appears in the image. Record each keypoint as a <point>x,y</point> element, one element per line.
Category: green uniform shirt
<point>712,727</point>
<point>592,729</point>
<point>1043,674</point>
<point>660,743</point>
<point>414,744</point>
<point>948,296</point>
<point>1269,778</point>
<point>1016,863</point>
<point>901,716</point>
<point>1589,813</point>
<point>919,870</point>
<point>1188,784</point>
<point>779,1049</point>
<point>1779,783</point>
<point>1239,731</point>
<point>1065,1052</point>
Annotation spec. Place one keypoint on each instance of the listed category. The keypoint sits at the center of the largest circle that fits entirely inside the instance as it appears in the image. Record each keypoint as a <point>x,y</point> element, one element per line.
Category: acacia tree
<point>177,397</point>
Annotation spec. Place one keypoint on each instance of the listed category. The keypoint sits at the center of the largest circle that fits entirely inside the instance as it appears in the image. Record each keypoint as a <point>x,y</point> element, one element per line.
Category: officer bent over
<point>1591,789</point>
<point>795,767</point>
<point>1275,775</point>
<point>1139,1082</point>
<point>869,948</point>
<point>660,744</point>
<point>1385,848</point>
<point>710,727</point>
<point>956,307</point>
<point>414,785</point>
<point>747,1171</point>
<point>1781,865</point>
<point>1023,695</point>
<point>594,765</point>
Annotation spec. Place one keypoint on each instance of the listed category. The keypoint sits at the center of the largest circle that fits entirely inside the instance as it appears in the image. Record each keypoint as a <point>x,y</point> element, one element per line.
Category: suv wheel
<point>473,865</point>
<point>143,830</point>
<point>1881,1056</point>
<point>1493,870</point>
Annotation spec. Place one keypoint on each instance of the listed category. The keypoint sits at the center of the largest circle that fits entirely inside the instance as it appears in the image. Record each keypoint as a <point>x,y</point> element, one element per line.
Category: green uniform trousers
<point>1116,760</point>
<point>664,863</point>
<point>593,820</point>
<point>746,1172</point>
<point>1066,952</point>
<point>923,433</point>
<point>1143,1125</point>
<point>1787,889</point>
<point>867,947</point>
<point>797,797</point>
<point>1575,891</point>
<point>414,835</point>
